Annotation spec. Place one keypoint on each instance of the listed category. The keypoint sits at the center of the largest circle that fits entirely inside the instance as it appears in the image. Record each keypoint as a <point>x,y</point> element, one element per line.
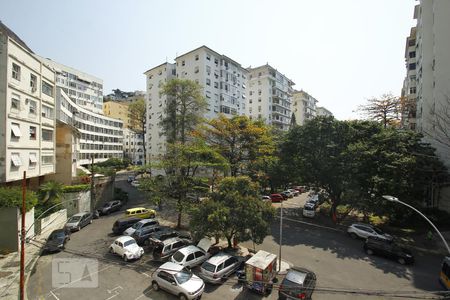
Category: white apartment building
<point>269,96</point>
<point>304,107</point>
<point>84,89</point>
<point>322,111</point>
<point>408,114</point>
<point>223,81</point>
<point>133,146</point>
<point>432,54</point>
<point>27,111</point>
<point>80,104</point>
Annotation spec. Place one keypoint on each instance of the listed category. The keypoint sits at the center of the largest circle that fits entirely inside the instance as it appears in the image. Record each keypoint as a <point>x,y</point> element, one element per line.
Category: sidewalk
<point>10,269</point>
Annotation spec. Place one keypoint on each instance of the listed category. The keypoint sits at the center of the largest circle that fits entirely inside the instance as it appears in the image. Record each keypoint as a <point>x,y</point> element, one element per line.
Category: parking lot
<point>343,270</point>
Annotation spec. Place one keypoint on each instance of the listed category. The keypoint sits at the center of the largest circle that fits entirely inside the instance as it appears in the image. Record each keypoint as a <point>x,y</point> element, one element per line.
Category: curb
<point>31,265</point>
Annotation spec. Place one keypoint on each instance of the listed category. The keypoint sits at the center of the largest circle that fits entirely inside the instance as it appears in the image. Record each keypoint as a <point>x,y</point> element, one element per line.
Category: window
<point>259,108</point>
<point>196,70</point>
<point>33,82</point>
<point>259,92</point>
<point>208,81</point>
<point>216,84</point>
<point>208,57</point>
<point>15,102</point>
<point>16,71</point>
<point>33,106</point>
<point>47,159</point>
<point>190,257</point>
<point>183,63</point>
<point>47,112</point>
<point>412,90</point>
<point>196,57</point>
<point>32,132</point>
<point>47,89</point>
<point>15,130</point>
<point>412,54</point>
<point>33,160</point>
<point>47,135</point>
<point>15,160</point>
<point>208,70</point>
<point>412,66</point>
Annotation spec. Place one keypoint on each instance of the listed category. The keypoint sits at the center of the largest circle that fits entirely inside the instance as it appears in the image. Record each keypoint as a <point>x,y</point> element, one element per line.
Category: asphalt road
<point>343,270</point>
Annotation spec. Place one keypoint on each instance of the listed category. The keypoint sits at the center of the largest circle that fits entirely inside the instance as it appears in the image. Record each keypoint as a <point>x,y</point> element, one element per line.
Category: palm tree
<point>50,193</point>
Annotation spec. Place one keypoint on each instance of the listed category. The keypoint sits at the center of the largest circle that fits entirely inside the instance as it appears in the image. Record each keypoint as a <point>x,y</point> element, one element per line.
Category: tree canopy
<point>386,109</point>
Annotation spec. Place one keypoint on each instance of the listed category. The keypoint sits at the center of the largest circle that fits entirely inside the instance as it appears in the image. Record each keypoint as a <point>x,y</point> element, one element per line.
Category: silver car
<point>177,280</point>
<point>360,230</point>
<point>78,221</point>
<point>219,267</point>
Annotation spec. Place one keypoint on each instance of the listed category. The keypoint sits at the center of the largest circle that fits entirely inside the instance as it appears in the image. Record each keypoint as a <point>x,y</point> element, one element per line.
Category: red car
<point>276,198</point>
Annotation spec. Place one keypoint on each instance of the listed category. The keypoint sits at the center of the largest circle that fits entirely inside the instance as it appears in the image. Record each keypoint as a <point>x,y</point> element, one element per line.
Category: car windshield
<point>308,207</point>
<point>129,242</point>
<point>74,219</point>
<point>178,256</point>
<point>107,204</point>
<point>377,230</point>
<point>136,225</point>
<point>57,235</point>
<point>208,267</point>
<point>183,276</point>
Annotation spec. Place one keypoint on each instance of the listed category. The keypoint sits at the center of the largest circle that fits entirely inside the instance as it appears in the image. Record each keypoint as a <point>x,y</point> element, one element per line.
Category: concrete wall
<point>52,222</point>
<point>444,202</point>
<point>76,202</point>
<point>104,190</point>
<point>10,223</point>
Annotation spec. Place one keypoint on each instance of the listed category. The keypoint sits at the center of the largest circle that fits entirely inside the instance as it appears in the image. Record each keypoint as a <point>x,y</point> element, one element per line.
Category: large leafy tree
<point>137,113</point>
<point>12,197</point>
<point>244,143</point>
<point>233,210</point>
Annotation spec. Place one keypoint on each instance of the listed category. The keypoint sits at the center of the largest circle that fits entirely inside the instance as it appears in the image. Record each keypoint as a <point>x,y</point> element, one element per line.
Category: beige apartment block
<point>27,111</point>
<point>118,110</point>
<point>304,107</point>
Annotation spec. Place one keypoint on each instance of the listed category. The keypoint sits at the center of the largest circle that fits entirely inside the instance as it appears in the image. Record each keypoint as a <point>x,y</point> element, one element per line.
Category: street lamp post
<point>394,199</point>
<point>281,234</point>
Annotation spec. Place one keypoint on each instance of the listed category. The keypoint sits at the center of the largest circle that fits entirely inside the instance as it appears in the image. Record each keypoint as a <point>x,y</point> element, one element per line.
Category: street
<point>343,270</point>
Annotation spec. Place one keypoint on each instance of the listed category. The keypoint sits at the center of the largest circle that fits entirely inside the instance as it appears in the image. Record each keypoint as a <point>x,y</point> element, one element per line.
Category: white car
<point>365,230</point>
<point>178,281</point>
<point>127,248</point>
<point>294,192</point>
<point>309,210</point>
<point>135,183</point>
<point>191,255</point>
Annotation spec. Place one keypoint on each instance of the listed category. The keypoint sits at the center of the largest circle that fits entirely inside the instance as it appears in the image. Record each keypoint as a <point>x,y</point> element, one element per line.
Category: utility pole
<point>281,234</point>
<point>22,239</point>
<point>92,185</point>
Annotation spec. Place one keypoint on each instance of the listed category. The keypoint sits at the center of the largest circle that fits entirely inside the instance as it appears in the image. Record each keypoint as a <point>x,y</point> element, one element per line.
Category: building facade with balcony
<point>133,146</point>
<point>432,73</point>
<point>304,107</point>
<point>269,96</point>
<point>408,94</point>
<point>27,112</point>
<point>223,81</point>
<point>322,111</point>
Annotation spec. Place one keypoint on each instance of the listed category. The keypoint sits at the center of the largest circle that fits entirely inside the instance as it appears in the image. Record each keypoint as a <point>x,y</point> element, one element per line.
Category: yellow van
<point>140,212</point>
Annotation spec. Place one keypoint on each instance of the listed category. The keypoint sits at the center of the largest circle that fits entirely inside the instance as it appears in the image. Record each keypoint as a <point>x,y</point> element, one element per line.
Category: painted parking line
<point>53,294</point>
<point>115,292</point>
<point>144,294</point>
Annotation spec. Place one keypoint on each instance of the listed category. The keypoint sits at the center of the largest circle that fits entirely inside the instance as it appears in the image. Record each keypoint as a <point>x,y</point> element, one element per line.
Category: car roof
<point>171,267</point>
<point>309,204</point>
<point>135,208</point>
<point>189,249</point>
<point>219,258</point>
<point>124,239</point>
<point>58,230</point>
<point>362,224</point>
<point>129,219</point>
<point>297,275</point>
<point>80,214</point>
<point>143,221</point>
<point>170,241</point>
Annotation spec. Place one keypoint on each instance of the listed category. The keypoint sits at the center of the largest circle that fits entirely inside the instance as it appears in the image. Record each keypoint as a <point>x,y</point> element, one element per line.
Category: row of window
<point>16,73</point>
<point>16,133</point>
<point>84,146</point>
<point>16,106</point>
<point>16,160</point>
<point>99,138</point>
<point>99,155</point>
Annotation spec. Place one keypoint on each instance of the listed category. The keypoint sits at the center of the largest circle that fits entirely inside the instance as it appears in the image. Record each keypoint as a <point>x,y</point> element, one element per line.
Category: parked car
<point>287,194</point>
<point>141,224</point>
<point>299,283</point>
<point>191,256</point>
<point>127,248</point>
<point>178,281</point>
<point>56,240</point>
<point>309,210</point>
<point>110,206</point>
<point>121,225</point>
<point>389,249</point>
<point>265,198</point>
<point>219,267</point>
<point>360,230</point>
<point>135,183</point>
<point>164,249</point>
<point>142,234</point>
<point>140,212</point>
<point>78,221</point>
<point>294,192</point>
<point>276,198</point>
<point>164,234</point>
<point>131,178</point>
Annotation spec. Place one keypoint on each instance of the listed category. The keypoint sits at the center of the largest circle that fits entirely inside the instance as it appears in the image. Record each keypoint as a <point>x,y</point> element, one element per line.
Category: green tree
<point>12,197</point>
<point>385,109</point>
<point>184,109</point>
<point>245,144</point>
<point>234,210</point>
<point>138,114</point>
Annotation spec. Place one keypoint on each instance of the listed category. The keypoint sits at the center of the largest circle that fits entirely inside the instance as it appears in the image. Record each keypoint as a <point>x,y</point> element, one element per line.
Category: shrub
<point>76,188</point>
<point>12,197</point>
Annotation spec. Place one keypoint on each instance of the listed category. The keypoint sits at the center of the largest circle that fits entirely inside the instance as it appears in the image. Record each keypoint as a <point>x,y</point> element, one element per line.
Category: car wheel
<point>78,228</point>
<point>183,297</point>
<point>369,251</point>
<point>155,286</point>
<point>111,250</point>
<point>401,261</point>
<point>125,258</point>
<point>90,221</point>
<point>353,235</point>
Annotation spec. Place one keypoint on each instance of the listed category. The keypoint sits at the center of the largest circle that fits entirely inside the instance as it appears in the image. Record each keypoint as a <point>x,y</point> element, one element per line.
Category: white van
<point>309,210</point>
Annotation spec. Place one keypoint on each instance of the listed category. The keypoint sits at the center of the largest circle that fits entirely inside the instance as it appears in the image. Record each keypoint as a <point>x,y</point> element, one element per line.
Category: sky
<point>342,52</point>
